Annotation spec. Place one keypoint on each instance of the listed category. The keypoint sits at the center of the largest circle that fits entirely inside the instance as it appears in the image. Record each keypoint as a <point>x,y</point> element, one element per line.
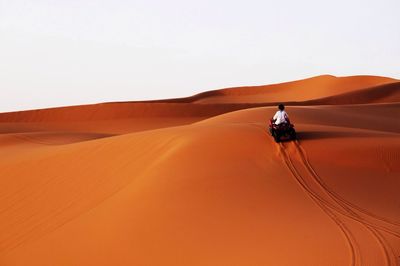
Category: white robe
<point>280,117</point>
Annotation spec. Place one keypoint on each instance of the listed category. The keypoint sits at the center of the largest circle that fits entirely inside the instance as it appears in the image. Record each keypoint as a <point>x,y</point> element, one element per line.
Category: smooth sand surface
<point>198,180</point>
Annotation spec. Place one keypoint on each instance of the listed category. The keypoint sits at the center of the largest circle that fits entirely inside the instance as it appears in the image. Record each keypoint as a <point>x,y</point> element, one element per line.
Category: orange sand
<point>198,181</point>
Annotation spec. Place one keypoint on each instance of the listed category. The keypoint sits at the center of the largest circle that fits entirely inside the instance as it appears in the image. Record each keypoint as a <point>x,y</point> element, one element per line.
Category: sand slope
<point>202,183</point>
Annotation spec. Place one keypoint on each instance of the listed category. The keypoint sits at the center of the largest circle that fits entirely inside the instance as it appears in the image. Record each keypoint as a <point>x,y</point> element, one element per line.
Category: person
<point>281,116</point>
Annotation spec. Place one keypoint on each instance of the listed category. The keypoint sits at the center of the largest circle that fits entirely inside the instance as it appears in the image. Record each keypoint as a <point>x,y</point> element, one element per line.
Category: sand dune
<point>302,90</point>
<point>198,181</point>
<point>314,91</point>
<point>380,94</point>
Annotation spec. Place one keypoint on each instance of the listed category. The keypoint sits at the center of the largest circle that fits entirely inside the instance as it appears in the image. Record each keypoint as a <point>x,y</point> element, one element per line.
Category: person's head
<point>281,107</point>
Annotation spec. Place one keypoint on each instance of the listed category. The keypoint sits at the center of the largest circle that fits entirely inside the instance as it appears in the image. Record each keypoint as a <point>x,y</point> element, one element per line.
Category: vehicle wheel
<point>277,137</point>
<point>293,135</point>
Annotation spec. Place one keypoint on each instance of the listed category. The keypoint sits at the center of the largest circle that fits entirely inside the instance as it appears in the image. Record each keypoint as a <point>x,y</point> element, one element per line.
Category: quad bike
<point>282,131</point>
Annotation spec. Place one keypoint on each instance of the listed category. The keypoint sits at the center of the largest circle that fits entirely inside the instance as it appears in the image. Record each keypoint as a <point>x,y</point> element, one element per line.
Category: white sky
<point>68,52</point>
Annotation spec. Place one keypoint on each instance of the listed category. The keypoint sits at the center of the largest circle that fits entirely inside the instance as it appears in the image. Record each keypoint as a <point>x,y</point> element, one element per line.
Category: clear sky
<point>68,52</point>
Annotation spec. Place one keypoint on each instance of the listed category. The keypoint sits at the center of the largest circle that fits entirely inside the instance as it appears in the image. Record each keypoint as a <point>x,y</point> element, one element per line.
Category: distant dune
<point>198,180</point>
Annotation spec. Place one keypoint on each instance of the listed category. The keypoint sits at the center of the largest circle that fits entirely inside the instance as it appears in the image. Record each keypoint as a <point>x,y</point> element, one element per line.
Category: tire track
<point>350,239</point>
<point>344,213</point>
<point>333,193</point>
<point>389,253</point>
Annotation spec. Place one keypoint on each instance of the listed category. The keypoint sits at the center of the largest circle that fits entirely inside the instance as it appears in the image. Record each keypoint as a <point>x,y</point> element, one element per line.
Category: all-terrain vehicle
<point>283,131</point>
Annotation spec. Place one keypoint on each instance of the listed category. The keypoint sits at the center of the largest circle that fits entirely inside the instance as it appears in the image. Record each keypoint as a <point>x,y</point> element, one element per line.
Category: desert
<point>199,181</point>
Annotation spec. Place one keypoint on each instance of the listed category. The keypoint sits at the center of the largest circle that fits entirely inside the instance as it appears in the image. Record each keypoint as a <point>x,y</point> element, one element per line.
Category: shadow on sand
<point>312,135</point>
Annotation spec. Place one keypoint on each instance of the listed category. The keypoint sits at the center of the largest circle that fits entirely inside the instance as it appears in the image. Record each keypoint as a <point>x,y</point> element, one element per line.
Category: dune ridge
<point>386,91</point>
<point>198,180</point>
